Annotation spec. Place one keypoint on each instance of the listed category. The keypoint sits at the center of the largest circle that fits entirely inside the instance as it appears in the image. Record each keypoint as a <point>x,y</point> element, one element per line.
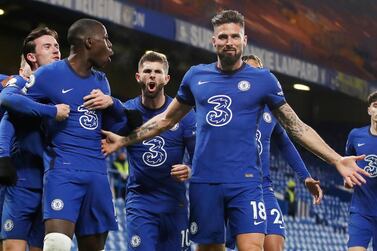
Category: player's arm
<point>155,126</point>
<point>295,161</point>
<point>8,174</point>
<point>182,172</point>
<point>307,137</point>
<point>116,117</point>
<point>12,99</point>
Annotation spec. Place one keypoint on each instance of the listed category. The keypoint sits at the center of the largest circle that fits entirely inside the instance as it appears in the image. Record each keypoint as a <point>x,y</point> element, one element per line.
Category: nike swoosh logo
<point>203,82</point>
<point>361,144</point>
<point>65,91</point>
<point>256,223</point>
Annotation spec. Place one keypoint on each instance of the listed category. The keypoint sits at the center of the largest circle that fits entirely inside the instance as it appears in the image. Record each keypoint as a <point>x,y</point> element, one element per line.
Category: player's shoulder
<point>13,80</point>
<point>360,131</point>
<point>51,69</point>
<point>99,75</point>
<point>203,67</point>
<point>132,103</point>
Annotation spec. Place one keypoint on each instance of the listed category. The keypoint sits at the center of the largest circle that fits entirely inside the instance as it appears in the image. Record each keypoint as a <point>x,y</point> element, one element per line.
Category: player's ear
<point>137,76</point>
<point>88,43</point>
<point>369,113</point>
<point>31,57</point>
<point>245,40</point>
<point>167,79</point>
<point>213,41</point>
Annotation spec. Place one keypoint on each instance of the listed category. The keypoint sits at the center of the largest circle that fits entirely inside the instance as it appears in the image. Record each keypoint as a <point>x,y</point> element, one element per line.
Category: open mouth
<point>151,87</point>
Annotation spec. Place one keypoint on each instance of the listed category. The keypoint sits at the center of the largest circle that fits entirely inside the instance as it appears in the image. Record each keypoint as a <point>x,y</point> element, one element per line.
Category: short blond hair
<point>253,57</point>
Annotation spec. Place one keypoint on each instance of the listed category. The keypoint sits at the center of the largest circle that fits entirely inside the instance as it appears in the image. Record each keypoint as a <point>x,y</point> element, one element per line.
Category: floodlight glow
<point>2,12</point>
<point>301,87</point>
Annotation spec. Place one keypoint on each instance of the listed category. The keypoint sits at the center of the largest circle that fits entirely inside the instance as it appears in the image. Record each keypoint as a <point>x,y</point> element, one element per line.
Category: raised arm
<point>307,137</point>
<point>156,125</point>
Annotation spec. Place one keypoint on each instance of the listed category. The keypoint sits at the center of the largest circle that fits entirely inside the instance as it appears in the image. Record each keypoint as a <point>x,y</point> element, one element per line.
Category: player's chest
<point>169,139</point>
<point>365,145</point>
<point>73,92</point>
<point>237,92</point>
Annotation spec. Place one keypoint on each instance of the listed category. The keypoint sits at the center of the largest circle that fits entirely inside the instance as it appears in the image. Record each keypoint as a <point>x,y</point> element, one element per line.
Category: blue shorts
<point>81,197</point>
<point>147,231</point>
<point>275,221</point>
<point>240,206</point>
<point>361,229</point>
<point>22,215</point>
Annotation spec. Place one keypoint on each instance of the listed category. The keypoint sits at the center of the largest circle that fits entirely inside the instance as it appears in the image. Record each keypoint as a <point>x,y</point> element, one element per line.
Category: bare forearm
<point>149,129</point>
<point>305,135</point>
<point>156,125</point>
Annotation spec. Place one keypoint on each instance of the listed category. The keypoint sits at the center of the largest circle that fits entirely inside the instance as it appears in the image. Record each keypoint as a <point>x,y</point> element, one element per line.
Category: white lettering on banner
<point>108,9</point>
<point>200,37</point>
<point>193,35</point>
<point>289,65</point>
<point>127,16</point>
<point>139,19</point>
<point>64,3</point>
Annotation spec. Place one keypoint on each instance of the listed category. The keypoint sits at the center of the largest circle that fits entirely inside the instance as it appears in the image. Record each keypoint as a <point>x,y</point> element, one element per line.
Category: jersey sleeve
<point>39,84</point>
<point>7,132</point>
<point>105,83</point>
<point>350,148</point>
<point>189,130</point>
<point>289,152</point>
<point>184,94</point>
<point>14,100</point>
<point>275,96</point>
<point>115,118</point>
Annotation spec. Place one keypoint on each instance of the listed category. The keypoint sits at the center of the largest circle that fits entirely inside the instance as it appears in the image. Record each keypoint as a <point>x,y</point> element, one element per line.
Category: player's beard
<point>227,60</point>
<point>154,94</point>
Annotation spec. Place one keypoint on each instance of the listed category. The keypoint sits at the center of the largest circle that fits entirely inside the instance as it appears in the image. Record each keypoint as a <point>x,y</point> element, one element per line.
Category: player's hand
<point>346,185</point>
<point>350,171</point>
<point>180,172</point>
<point>111,143</point>
<point>62,112</point>
<point>314,188</point>
<point>97,100</point>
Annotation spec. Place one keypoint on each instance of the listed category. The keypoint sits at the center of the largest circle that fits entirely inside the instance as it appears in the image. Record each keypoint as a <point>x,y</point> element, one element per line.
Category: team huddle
<point>60,121</point>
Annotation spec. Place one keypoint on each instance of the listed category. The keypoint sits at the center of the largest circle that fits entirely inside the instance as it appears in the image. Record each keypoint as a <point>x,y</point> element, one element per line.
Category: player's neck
<point>229,68</point>
<point>80,64</point>
<point>373,127</point>
<point>153,103</point>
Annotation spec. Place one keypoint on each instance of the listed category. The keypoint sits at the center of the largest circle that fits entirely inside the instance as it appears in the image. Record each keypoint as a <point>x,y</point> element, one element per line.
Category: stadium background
<point>329,46</point>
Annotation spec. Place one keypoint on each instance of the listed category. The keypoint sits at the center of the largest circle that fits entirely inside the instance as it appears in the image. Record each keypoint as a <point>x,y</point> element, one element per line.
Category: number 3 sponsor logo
<point>221,113</point>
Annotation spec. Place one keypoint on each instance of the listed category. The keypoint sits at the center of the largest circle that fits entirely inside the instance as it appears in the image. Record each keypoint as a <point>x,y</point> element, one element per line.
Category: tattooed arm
<point>307,137</point>
<point>155,126</point>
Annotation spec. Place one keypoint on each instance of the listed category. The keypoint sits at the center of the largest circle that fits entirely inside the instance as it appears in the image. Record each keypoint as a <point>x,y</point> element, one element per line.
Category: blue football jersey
<point>74,143</point>
<point>21,138</point>
<point>270,130</point>
<point>228,107</point>
<point>3,80</point>
<point>150,185</point>
<point>361,141</point>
